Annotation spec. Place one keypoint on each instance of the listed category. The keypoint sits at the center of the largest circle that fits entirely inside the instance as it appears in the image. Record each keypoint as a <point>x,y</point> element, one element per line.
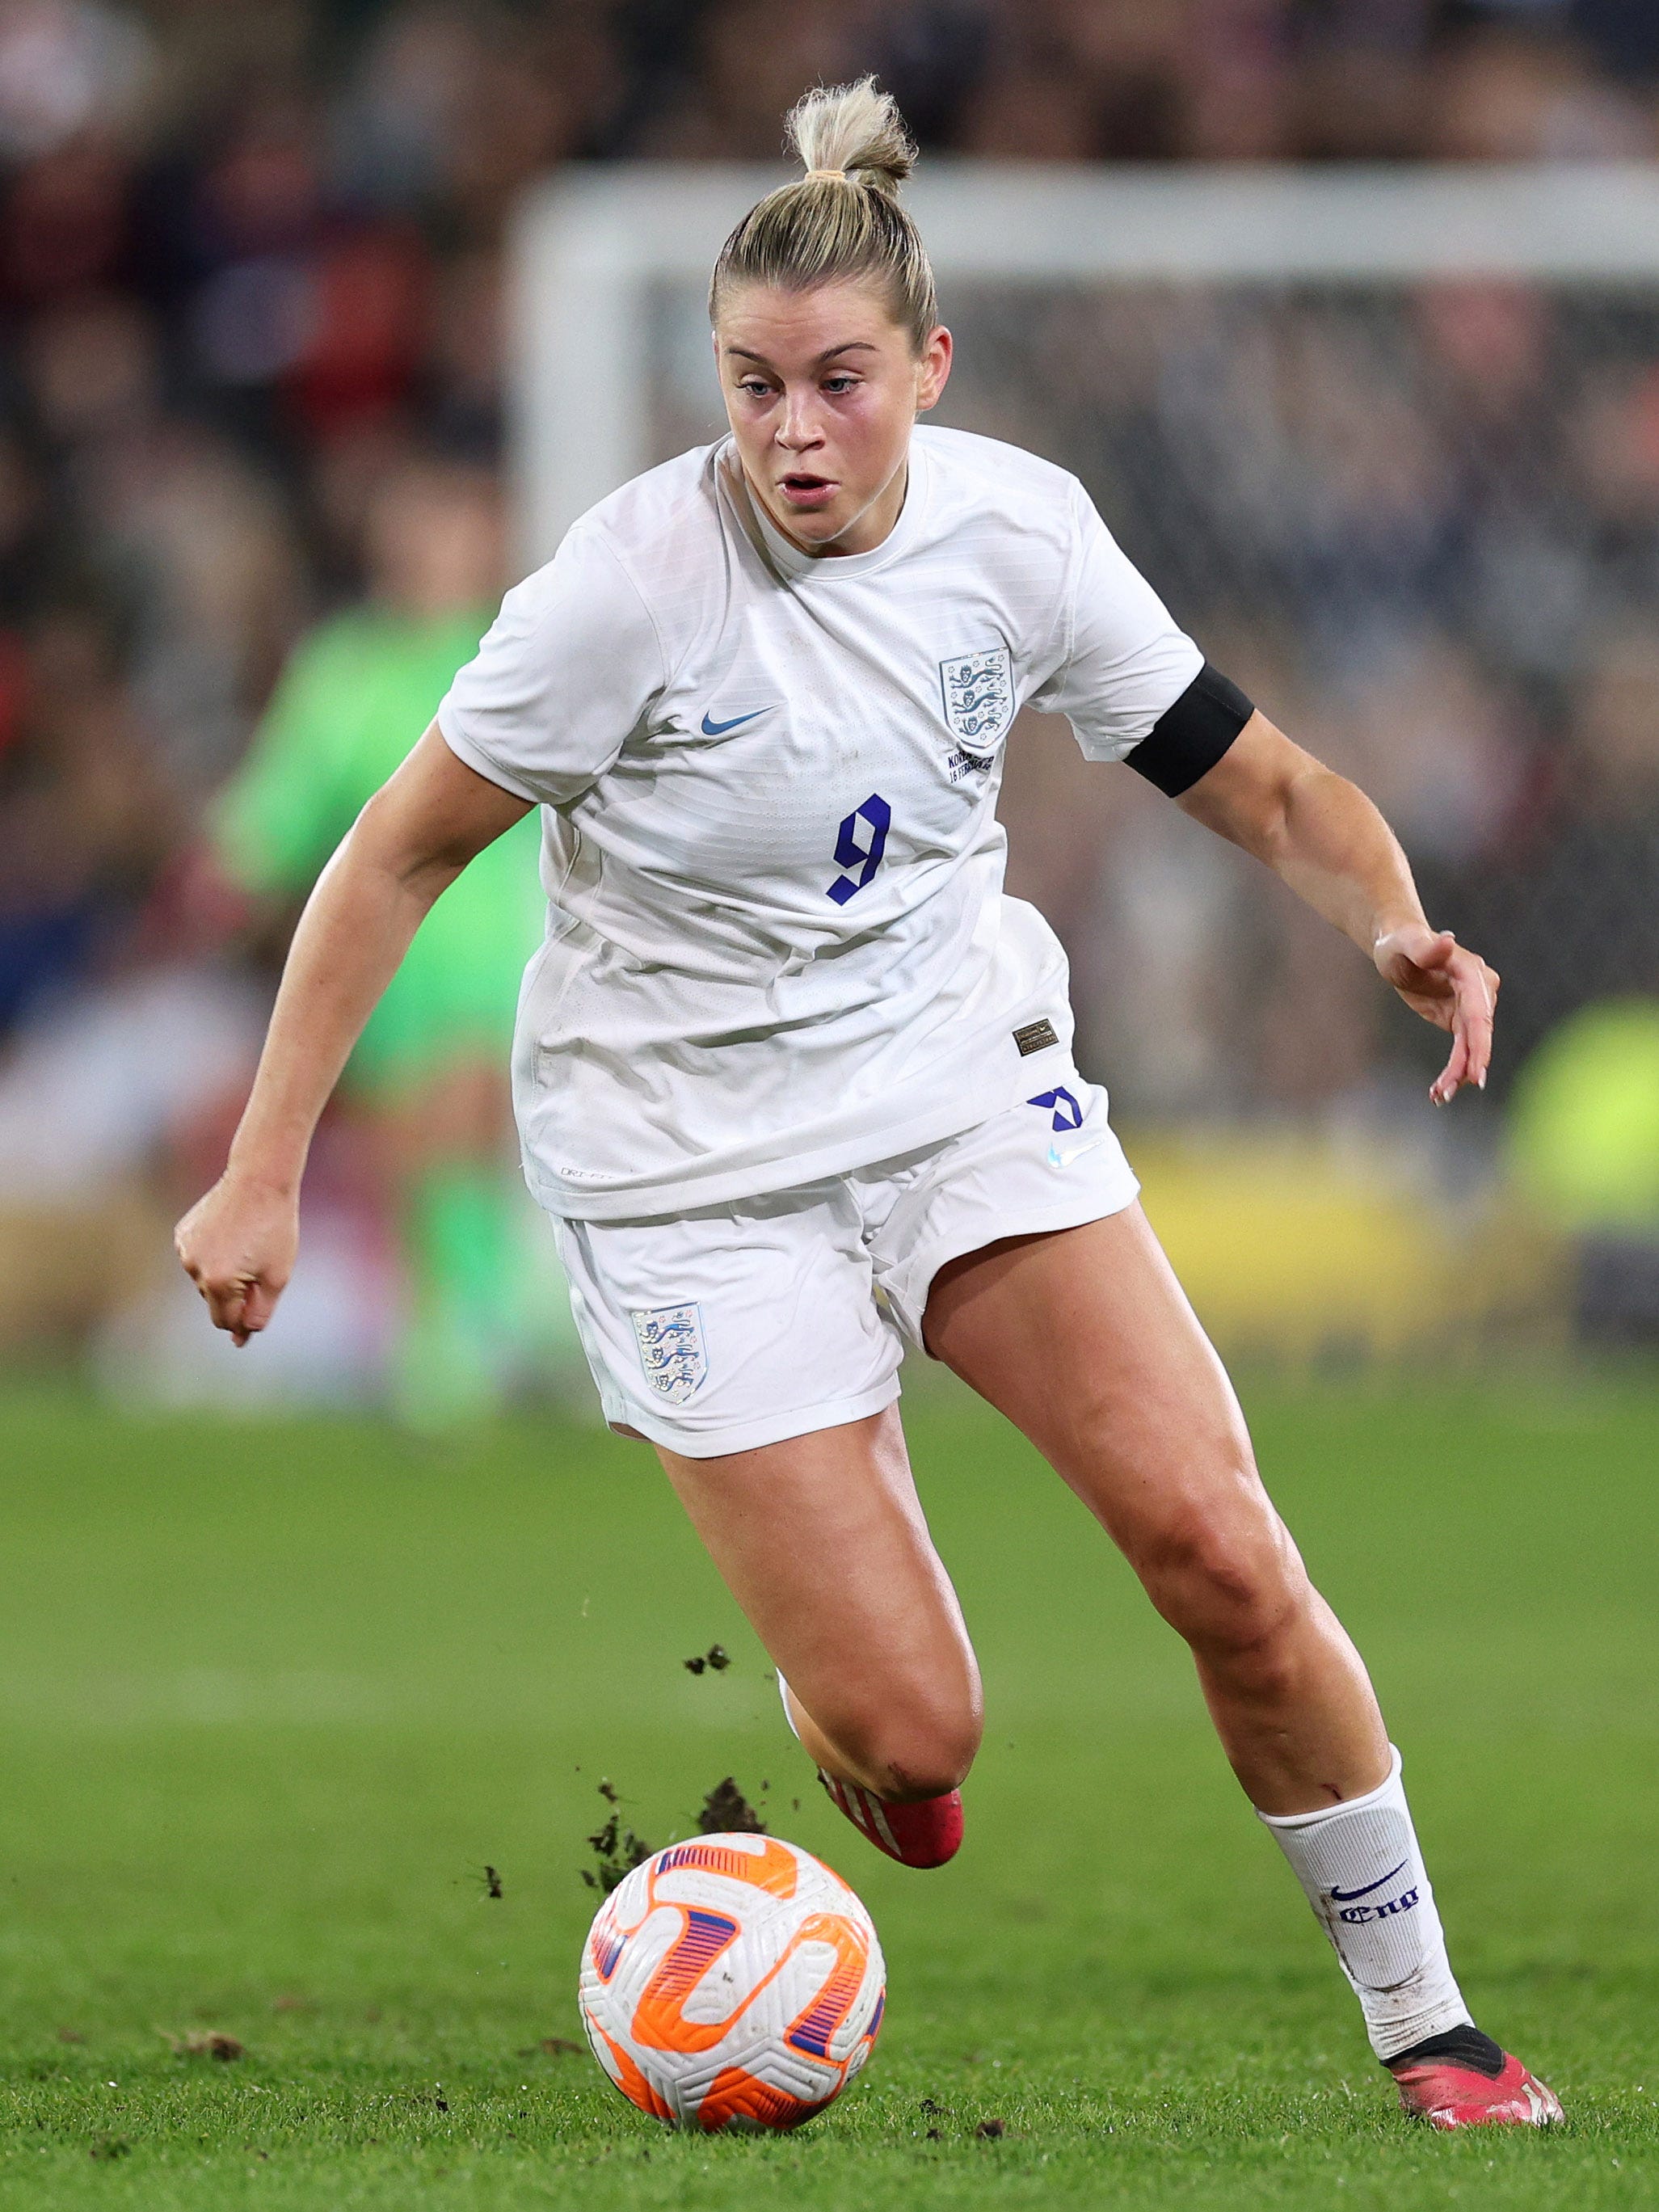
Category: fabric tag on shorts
<point>672,1350</point>
<point>1036,1036</point>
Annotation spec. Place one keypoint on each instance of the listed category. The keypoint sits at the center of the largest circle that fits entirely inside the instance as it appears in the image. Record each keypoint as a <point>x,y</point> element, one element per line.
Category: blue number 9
<point>863,854</point>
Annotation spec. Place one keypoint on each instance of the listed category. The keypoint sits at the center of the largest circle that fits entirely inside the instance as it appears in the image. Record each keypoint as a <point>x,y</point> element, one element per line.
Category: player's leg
<point>1083,1338</point>
<point>822,1541</point>
<point>745,1343</point>
<point>1086,1341</point>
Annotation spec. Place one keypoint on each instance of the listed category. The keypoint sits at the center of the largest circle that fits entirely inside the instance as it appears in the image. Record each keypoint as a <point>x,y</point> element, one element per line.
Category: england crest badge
<point>672,1350</point>
<point>979,697</point>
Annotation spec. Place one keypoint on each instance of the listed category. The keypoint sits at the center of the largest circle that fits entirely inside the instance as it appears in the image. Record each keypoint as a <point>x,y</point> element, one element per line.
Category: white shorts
<point>735,1326</point>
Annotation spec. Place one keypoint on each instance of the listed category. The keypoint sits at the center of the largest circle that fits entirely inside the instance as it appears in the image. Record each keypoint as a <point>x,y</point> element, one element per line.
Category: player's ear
<point>934,369</point>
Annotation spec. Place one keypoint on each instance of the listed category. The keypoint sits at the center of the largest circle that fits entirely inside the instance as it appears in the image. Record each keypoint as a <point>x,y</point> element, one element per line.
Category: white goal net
<point>1387,442</point>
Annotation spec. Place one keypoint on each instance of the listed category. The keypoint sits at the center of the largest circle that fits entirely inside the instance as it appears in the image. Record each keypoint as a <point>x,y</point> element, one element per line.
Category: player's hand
<point>238,1245</point>
<point>1451,988</point>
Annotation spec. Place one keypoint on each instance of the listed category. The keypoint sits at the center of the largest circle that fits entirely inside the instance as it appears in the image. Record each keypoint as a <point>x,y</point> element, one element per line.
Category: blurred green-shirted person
<point>432,1064</point>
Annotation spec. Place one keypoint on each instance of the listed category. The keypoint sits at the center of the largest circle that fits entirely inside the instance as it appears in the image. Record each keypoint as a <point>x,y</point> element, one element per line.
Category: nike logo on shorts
<point>1062,1157</point>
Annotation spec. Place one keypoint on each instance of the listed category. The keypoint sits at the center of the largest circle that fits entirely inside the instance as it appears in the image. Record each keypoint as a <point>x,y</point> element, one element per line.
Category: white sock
<point>783,1693</point>
<point>1362,1872</point>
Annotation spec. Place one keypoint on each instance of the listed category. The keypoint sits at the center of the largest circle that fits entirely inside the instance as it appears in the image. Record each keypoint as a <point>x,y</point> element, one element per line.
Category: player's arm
<point>406,847</point>
<point>1329,843</point>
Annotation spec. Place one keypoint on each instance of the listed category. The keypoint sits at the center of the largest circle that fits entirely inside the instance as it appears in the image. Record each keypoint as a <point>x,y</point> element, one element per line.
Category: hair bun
<point>853,130</point>
<point>842,222</point>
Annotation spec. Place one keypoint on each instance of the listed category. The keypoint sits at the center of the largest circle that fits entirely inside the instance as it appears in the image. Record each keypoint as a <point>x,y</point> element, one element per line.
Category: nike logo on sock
<point>1347,1896</point>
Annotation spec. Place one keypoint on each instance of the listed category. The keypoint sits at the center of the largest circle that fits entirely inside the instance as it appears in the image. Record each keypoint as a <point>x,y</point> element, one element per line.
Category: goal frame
<point>588,246</point>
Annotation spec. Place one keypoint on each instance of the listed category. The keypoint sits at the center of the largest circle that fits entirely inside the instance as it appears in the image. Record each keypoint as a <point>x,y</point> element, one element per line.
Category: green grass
<point>271,1696</point>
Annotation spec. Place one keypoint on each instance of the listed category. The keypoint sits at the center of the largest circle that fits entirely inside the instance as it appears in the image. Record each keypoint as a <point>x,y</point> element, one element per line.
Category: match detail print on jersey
<point>1035,1036</point>
<point>861,844</point>
<point>979,697</point>
<point>672,1350</point>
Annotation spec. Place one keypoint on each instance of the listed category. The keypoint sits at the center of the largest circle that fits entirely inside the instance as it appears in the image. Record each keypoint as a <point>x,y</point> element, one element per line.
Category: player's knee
<point>1229,1581</point>
<point>928,1763</point>
<point>922,1747</point>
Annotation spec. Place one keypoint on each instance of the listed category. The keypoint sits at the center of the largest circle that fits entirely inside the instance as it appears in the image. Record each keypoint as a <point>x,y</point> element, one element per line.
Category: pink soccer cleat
<point>923,1834</point>
<point>1464,2079</point>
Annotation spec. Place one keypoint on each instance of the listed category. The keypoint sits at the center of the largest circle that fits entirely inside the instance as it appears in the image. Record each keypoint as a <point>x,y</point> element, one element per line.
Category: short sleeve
<point>1127,660</point>
<point>566,673</point>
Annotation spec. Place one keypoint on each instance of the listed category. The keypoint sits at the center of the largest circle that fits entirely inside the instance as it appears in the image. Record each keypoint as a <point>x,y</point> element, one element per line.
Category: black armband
<point>1189,737</point>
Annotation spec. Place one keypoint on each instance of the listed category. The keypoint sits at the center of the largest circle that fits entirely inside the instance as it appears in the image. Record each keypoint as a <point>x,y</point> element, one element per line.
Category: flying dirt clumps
<point>616,1847</point>
<point>717,1657</point>
<point>727,1812</point>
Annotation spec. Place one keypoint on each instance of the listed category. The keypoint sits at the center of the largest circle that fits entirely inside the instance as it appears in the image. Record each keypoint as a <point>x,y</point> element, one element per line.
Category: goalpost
<point>1386,440</point>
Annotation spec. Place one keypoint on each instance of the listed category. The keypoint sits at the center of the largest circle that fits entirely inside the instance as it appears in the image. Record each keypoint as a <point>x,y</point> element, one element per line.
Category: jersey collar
<point>837,568</point>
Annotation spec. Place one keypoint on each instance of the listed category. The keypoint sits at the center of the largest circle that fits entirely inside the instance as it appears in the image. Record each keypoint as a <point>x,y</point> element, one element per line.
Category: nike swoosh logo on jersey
<point>719,729</point>
<point>1347,1896</point>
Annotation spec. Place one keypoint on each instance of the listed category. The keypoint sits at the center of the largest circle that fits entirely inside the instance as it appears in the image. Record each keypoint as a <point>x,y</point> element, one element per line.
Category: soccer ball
<point>732,1982</point>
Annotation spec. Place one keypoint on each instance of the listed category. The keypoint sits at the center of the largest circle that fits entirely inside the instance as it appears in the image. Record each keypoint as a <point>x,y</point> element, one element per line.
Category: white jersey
<point>778,944</point>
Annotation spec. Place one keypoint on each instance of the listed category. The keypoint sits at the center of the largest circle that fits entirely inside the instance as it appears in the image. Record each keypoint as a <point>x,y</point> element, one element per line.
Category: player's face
<point>822,389</point>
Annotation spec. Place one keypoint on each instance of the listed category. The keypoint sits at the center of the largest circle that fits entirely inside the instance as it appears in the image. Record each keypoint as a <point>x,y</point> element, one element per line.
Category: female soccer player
<point>787,1045</point>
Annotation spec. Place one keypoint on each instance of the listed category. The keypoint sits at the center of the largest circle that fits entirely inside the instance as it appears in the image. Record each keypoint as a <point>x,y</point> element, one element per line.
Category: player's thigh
<point>821,1539</point>
<point>1084,1338</point>
<point>746,1343</point>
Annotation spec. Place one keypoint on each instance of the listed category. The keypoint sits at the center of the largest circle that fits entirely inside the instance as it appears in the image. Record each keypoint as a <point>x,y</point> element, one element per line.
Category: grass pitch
<point>272,1697</point>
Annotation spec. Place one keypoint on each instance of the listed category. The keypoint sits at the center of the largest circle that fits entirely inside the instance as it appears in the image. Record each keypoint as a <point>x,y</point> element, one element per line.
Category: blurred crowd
<point>250,281</point>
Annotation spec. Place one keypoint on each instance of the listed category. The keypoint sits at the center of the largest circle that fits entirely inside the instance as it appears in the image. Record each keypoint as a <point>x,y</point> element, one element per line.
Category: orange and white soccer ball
<point>733,1981</point>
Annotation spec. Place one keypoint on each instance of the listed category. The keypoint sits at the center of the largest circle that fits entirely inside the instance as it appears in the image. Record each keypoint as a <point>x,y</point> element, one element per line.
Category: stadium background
<point>253,263</point>
<point>276,1678</point>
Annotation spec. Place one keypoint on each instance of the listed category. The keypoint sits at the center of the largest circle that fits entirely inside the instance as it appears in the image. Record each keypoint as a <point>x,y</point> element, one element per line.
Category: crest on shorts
<point>979,697</point>
<point>672,1350</point>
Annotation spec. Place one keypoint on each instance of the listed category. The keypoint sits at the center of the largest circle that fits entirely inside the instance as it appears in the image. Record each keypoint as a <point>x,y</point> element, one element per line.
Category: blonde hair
<point>842,219</point>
